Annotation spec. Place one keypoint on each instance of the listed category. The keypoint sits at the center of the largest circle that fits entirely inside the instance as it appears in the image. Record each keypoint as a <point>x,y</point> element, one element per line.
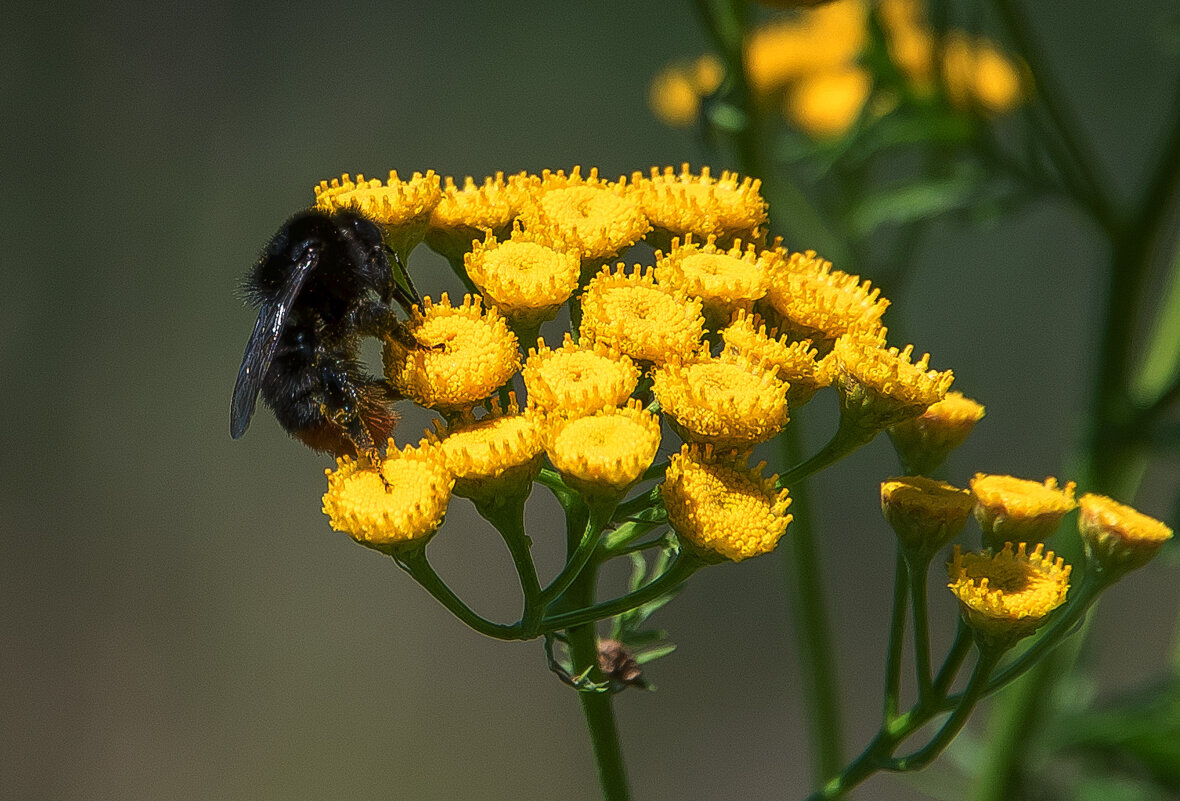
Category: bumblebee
<point>323,282</point>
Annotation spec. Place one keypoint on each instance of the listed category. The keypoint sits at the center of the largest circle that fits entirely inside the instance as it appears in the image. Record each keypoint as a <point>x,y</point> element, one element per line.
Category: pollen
<point>1013,509</point>
<point>578,379</point>
<point>812,301</point>
<point>1006,596</point>
<point>463,215</point>
<point>590,216</point>
<point>701,205</point>
<point>883,386</point>
<point>465,354</point>
<point>606,452</point>
<point>407,506</point>
<point>926,514</point>
<point>796,363</point>
<point>724,280</point>
<point>726,401</point>
<point>526,281</point>
<point>648,322</point>
<point>1118,537</point>
<point>721,508</point>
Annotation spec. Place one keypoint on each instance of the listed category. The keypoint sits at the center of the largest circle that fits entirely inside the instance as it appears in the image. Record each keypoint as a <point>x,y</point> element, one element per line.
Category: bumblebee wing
<point>264,341</point>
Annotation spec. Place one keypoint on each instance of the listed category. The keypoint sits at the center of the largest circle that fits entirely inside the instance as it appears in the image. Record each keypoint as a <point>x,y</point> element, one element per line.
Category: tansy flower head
<point>794,362</point>
<point>909,40</point>
<point>924,442</point>
<point>495,456</point>
<point>1018,510</point>
<point>978,75</point>
<point>826,104</point>
<point>880,387</point>
<point>822,39</point>
<point>464,215</point>
<point>603,454</point>
<point>465,354</point>
<point>727,401</point>
<point>809,300</point>
<point>1009,595</point>
<point>590,216</point>
<point>676,91</point>
<point>721,509</point>
<point>1118,538</point>
<point>683,204</point>
<point>574,380</point>
<point>401,207</point>
<point>406,507</point>
<point>924,513</point>
<point>526,281</point>
<point>642,319</point>
<point>724,280</point>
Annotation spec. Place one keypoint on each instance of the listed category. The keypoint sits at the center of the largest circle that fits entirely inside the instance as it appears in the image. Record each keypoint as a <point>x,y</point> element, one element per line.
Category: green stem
<point>677,573</point>
<point>508,518</point>
<point>809,615</point>
<point>954,660</point>
<point>414,562</point>
<point>918,567</point>
<point>843,442</point>
<point>580,555</point>
<point>896,640</point>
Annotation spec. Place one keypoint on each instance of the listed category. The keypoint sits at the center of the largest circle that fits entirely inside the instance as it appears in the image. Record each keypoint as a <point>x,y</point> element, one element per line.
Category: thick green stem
<point>917,567</point>
<point>580,554</point>
<point>896,640</point>
<point>954,660</point>
<point>507,516</point>
<point>414,562</point>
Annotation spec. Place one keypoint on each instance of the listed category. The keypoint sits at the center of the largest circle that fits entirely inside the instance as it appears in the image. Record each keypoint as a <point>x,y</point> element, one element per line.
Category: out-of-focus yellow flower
<point>925,514</point>
<point>605,453</point>
<point>724,280</point>
<point>595,218</point>
<point>826,104</point>
<point>580,379</point>
<point>402,208</point>
<point>1118,538</point>
<point>1009,595</point>
<point>727,401</point>
<point>640,318</point>
<point>463,216</point>
<point>497,455</point>
<point>1013,509</point>
<point>795,363</point>
<point>978,75</point>
<point>823,304</point>
<point>465,354</point>
<point>829,37</point>
<point>720,508</point>
<point>686,204</point>
<point>880,387</point>
<point>526,281</point>
<point>407,506</point>
<point>676,91</point>
<point>909,39</point>
<point>924,442</point>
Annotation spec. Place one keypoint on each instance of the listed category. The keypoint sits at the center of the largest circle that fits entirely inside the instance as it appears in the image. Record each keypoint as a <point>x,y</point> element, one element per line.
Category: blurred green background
<point>176,619</point>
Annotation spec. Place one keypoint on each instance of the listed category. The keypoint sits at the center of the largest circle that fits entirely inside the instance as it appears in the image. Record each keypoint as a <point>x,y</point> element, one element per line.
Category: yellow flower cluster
<point>1011,509</point>
<point>810,62</point>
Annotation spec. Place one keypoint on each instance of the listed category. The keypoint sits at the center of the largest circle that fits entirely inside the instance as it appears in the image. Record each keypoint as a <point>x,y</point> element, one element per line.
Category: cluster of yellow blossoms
<point>720,337</point>
<point>810,62</point>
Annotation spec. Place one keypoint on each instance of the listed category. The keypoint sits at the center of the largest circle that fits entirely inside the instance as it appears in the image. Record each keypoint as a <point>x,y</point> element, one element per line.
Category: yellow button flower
<point>724,280</point>
<point>909,40</point>
<point>676,91</point>
<point>1009,595</point>
<point>526,281</point>
<point>686,204</point>
<point>462,216</point>
<point>495,456</point>
<point>924,442</point>
<point>722,509</point>
<point>825,38</point>
<point>401,207</point>
<point>726,401</point>
<point>1117,537</point>
<point>1018,510</point>
<point>575,380</point>
<point>826,104</point>
<point>978,75</point>
<point>465,355</point>
<point>590,216</point>
<point>794,362</point>
<point>605,453</point>
<point>406,507</point>
<point>640,318</point>
<point>880,387</point>
<point>925,514</point>
<point>823,304</point>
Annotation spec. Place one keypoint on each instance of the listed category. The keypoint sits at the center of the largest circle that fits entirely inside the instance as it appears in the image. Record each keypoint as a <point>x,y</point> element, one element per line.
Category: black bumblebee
<point>323,282</point>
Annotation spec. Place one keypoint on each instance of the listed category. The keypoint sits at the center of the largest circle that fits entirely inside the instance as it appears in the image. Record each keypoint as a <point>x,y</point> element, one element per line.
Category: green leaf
<point>655,653</point>
<point>912,202</point>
